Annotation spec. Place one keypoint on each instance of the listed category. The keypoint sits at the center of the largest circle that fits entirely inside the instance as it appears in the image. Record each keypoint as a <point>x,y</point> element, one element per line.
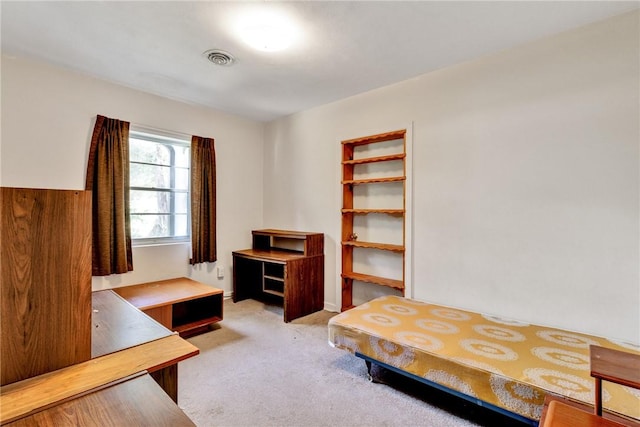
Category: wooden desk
<point>614,366</point>
<point>563,415</point>
<point>606,364</point>
<point>286,266</point>
<point>619,419</point>
<point>125,342</point>
<point>24,397</point>
<point>117,325</point>
<point>137,401</point>
<point>182,305</point>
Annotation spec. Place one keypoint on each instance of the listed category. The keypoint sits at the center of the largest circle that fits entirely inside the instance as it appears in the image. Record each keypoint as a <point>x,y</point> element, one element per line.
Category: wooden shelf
<point>196,325</point>
<point>383,281</point>
<point>272,292</point>
<point>387,158</point>
<point>372,245</point>
<point>374,180</point>
<point>373,150</point>
<point>375,211</point>
<point>388,136</point>
<point>287,234</point>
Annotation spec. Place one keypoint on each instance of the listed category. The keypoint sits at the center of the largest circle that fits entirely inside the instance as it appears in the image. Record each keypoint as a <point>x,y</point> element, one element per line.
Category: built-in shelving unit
<point>369,162</point>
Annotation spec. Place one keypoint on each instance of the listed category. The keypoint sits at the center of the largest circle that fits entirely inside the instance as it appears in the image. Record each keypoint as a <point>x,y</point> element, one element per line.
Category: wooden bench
<point>182,305</point>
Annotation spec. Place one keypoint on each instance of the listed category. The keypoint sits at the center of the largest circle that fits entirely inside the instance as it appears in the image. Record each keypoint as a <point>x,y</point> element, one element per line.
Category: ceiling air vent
<point>219,57</point>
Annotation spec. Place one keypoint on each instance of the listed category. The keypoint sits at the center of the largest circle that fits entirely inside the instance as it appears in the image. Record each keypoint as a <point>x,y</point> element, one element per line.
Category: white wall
<point>48,115</point>
<point>525,172</point>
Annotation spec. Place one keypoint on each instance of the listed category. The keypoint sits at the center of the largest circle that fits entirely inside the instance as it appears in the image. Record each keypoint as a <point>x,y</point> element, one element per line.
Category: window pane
<point>145,226</point>
<point>149,176</point>
<point>183,156</point>
<point>182,203</point>
<point>181,179</point>
<point>149,152</point>
<point>143,201</point>
<point>159,180</point>
<point>182,225</point>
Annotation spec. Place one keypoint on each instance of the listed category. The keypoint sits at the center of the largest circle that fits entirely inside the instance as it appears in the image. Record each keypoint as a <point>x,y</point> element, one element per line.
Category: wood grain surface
<point>45,280</point>
<point>136,402</point>
<point>24,397</point>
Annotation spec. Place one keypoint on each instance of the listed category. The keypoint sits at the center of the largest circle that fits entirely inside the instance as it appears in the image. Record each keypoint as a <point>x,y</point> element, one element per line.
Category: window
<point>159,187</point>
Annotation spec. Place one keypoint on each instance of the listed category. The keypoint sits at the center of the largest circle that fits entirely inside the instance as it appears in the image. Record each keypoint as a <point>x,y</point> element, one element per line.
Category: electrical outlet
<point>220,272</point>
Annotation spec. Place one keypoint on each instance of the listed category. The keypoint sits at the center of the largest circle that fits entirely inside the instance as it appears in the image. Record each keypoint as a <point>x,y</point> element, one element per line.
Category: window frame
<point>172,139</point>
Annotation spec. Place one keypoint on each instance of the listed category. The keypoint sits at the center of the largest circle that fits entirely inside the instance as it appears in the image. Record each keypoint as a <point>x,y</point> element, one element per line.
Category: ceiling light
<point>267,37</point>
<point>267,32</point>
<point>219,57</point>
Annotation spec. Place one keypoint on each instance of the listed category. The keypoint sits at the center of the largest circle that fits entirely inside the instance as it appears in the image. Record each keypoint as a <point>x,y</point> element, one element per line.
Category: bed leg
<point>369,376</point>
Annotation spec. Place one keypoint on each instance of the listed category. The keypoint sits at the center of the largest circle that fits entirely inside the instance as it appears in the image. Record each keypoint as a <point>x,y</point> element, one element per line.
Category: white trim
<point>331,307</point>
<point>339,195</point>
<point>408,213</point>
<point>159,136</point>
<point>160,241</point>
<point>172,136</point>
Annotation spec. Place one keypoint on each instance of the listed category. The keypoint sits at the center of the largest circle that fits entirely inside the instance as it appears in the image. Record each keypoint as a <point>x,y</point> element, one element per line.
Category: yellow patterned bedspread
<point>508,364</point>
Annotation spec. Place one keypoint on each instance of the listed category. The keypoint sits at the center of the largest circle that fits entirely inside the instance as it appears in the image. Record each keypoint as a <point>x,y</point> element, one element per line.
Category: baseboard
<point>331,307</point>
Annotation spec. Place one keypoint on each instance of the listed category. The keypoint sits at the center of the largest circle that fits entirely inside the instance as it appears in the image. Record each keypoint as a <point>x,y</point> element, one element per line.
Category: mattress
<point>506,363</point>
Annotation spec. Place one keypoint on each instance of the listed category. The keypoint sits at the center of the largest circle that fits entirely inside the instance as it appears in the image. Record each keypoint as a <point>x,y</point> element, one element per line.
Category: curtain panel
<point>203,200</point>
<point>108,179</point>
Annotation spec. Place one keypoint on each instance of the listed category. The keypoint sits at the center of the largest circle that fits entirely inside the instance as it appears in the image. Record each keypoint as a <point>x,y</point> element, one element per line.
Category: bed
<point>502,364</point>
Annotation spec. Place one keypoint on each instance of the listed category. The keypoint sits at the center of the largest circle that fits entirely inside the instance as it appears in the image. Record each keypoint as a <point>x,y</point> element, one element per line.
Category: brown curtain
<point>108,179</point>
<point>203,200</point>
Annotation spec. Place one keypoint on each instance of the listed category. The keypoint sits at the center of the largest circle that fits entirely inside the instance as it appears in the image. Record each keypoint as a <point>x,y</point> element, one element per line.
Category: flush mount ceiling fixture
<point>219,57</point>
<point>267,31</point>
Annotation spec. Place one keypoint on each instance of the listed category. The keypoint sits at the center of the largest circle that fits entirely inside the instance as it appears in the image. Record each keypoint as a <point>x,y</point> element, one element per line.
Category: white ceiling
<point>345,48</point>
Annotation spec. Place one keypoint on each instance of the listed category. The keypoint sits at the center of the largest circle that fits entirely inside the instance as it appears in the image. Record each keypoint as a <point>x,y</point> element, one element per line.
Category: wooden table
<point>134,401</point>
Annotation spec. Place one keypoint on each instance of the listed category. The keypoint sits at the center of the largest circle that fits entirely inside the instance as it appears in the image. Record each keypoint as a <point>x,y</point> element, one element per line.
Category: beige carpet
<point>256,370</point>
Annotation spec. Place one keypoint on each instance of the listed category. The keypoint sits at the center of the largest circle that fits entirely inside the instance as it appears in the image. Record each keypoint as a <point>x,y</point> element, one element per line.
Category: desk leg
<point>167,378</point>
<point>598,398</point>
